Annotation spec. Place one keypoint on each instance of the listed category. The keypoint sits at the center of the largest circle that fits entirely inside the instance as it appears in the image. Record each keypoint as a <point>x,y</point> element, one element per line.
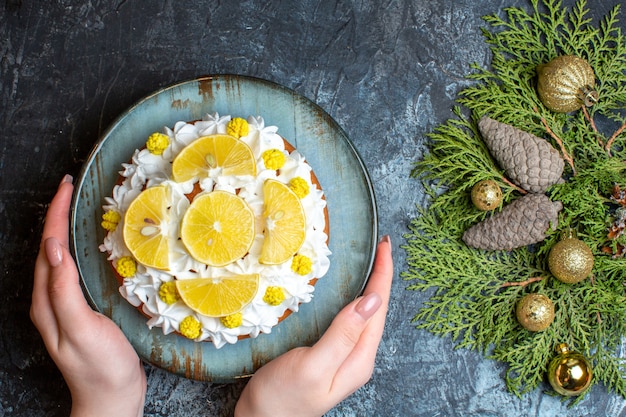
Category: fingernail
<point>67,178</point>
<point>54,251</point>
<point>368,305</point>
<point>387,239</point>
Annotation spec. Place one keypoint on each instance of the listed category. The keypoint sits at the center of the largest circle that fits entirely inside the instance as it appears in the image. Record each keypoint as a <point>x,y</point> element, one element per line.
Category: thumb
<point>344,333</point>
<point>66,296</point>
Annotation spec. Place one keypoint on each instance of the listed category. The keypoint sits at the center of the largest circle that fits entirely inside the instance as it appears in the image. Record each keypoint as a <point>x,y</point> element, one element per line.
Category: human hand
<point>102,370</point>
<point>309,381</point>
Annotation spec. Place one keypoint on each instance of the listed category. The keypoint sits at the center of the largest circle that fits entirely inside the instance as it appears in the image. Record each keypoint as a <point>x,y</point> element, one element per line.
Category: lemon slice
<point>145,227</point>
<point>218,297</point>
<point>227,153</point>
<point>218,228</point>
<point>285,223</point>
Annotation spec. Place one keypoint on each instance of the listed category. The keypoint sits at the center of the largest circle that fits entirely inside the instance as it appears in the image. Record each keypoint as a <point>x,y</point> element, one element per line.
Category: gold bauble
<point>570,260</point>
<point>569,372</point>
<point>566,84</point>
<point>486,195</point>
<point>535,312</point>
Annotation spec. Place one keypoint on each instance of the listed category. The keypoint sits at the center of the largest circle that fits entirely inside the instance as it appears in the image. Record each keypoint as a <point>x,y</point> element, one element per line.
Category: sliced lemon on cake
<point>285,223</point>
<point>218,297</point>
<point>218,228</point>
<point>145,227</point>
<point>227,153</point>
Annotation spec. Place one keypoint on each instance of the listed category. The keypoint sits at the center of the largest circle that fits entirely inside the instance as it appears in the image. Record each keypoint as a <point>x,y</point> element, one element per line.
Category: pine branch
<point>558,140</point>
<point>473,293</point>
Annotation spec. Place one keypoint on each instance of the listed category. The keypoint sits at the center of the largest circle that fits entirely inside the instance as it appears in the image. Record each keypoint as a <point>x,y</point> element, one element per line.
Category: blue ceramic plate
<point>341,173</point>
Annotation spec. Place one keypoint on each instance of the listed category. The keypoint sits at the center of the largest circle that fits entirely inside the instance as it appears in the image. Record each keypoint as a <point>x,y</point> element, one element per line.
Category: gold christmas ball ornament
<point>535,312</point>
<point>569,372</point>
<point>566,84</point>
<point>486,195</point>
<point>570,260</point>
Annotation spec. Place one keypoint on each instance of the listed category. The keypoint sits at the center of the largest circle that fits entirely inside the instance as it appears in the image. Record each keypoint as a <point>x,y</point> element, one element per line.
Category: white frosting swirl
<point>147,170</point>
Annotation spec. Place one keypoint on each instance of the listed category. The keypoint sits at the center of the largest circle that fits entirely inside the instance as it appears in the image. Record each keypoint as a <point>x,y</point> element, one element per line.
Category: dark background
<point>387,71</point>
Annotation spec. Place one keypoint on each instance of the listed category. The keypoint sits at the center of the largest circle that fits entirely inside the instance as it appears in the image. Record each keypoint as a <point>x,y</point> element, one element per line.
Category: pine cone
<point>529,161</point>
<point>522,222</point>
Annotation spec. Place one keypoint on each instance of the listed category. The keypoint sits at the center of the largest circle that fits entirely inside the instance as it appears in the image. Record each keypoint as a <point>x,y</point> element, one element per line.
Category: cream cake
<point>217,229</point>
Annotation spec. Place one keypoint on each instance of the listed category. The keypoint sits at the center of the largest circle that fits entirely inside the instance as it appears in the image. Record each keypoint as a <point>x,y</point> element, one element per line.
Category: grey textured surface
<point>387,71</point>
